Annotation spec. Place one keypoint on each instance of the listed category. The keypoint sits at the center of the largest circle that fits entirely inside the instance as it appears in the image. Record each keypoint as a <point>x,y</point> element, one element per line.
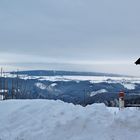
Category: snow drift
<point>55,120</point>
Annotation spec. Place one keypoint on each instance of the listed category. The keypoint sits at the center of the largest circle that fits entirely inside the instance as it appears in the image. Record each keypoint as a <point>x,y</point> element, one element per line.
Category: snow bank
<point>55,120</point>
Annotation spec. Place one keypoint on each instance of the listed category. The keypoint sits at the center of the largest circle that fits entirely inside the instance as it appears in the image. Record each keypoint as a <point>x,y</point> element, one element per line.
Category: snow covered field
<point>94,79</point>
<point>128,82</point>
<point>55,120</point>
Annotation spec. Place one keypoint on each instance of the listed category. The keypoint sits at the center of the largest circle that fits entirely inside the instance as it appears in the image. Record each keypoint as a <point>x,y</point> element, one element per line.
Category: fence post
<point>121,100</point>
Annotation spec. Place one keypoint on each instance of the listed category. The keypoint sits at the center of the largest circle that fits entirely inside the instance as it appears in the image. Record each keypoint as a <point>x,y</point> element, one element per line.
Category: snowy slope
<point>92,79</point>
<point>93,93</point>
<point>55,120</point>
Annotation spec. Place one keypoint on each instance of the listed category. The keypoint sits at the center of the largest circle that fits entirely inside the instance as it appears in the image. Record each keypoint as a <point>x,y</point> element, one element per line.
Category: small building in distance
<point>137,62</point>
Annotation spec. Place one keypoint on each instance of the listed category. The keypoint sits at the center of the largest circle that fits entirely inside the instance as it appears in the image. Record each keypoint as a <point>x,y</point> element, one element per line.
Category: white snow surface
<point>56,120</point>
<point>129,86</point>
<point>40,85</point>
<point>92,79</point>
<point>54,84</point>
<point>93,93</point>
<point>127,82</point>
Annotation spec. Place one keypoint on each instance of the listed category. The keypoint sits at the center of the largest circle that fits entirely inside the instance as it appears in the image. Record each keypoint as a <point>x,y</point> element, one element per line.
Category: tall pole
<point>1,85</point>
<point>13,87</point>
<point>12,93</point>
<point>5,86</point>
<point>1,71</point>
<point>17,85</point>
<point>1,82</point>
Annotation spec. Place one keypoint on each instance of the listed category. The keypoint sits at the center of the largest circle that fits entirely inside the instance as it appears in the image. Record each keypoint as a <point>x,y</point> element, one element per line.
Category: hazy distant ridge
<point>62,73</point>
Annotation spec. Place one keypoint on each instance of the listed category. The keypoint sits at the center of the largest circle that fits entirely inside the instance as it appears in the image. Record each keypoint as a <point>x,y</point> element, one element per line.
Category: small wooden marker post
<point>121,100</point>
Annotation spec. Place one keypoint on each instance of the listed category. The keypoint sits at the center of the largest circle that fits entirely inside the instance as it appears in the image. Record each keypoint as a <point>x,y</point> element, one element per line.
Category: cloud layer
<point>75,31</point>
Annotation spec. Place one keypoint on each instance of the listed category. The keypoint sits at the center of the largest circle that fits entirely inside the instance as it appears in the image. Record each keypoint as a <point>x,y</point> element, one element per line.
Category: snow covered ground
<point>128,82</point>
<point>55,120</point>
<point>93,79</point>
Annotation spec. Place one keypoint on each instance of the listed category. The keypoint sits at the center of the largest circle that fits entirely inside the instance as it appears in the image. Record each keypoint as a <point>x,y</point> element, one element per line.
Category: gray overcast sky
<point>82,35</point>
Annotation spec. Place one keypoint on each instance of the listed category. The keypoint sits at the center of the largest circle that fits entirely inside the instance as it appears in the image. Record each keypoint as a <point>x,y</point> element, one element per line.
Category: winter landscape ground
<point>56,120</point>
<point>73,87</point>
